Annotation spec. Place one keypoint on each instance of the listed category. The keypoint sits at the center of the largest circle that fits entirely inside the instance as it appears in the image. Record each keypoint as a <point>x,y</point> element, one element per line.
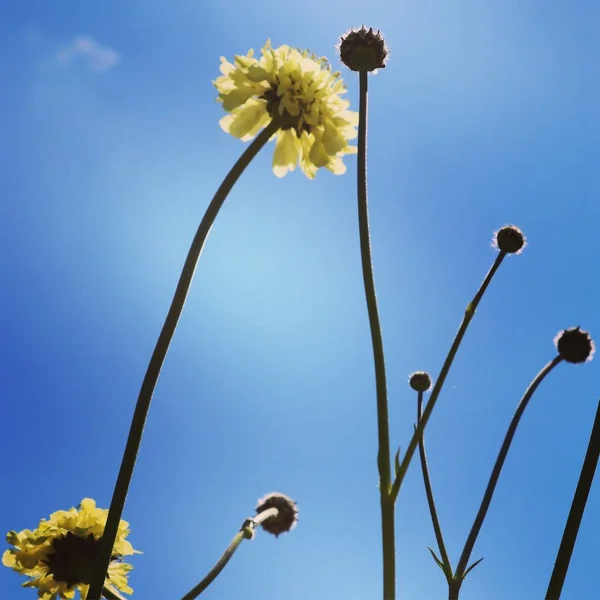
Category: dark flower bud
<point>509,239</point>
<point>420,381</point>
<point>574,345</point>
<point>363,49</point>
<point>287,515</point>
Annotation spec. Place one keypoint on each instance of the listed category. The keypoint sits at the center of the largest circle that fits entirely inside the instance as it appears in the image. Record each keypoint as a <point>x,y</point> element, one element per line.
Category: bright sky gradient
<point>487,114</point>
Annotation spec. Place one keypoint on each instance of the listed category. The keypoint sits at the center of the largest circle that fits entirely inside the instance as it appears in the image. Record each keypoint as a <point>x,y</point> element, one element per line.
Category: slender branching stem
<point>383,456</point>
<point>454,589</point>
<point>430,499</point>
<point>491,486</point>
<point>437,388</point>
<point>245,533</point>
<point>158,357</point>
<point>567,544</point>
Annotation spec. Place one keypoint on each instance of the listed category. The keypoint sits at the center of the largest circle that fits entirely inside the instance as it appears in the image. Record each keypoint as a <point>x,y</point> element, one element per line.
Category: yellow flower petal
<point>9,559</point>
<point>336,166</point>
<point>244,119</point>
<point>33,551</point>
<point>300,90</point>
<point>286,153</point>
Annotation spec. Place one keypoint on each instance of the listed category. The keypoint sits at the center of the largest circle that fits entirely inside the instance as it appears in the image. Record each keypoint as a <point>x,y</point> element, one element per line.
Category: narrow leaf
<point>447,570</point>
<point>440,564</point>
<point>472,567</point>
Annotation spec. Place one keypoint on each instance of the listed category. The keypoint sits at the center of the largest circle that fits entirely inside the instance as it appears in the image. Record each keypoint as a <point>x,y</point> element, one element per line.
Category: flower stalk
<point>567,543</point>
<point>142,407</point>
<point>383,456</point>
<point>437,528</point>
<point>437,388</point>
<point>461,569</point>
<point>246,532</point>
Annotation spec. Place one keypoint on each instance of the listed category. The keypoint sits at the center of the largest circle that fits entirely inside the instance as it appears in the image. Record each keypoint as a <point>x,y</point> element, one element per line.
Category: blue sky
<point>487,114</point>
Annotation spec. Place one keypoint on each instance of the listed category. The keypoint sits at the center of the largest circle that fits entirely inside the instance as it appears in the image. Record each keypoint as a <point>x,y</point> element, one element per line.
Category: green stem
<point>212,575</point>
<point>567,544</point>
<point>437,388</point>
<point>383,456</point>
<point>430,499</point>
<point>158,357</point>
<point>245,533</point>
<point>454,589</point>
<point>491,486</point>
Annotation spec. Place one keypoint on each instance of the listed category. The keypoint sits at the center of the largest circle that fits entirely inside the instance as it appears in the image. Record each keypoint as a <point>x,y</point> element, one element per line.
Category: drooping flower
<point>58,556</point>
<point>299,90</point>
<point>287,516</point>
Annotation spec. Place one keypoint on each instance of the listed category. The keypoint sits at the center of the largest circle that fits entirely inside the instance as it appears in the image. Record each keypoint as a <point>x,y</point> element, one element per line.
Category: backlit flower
<point>287,516</point>
<point>509,239</point>
<point>420,381</point>
<point>299,90</point>
<point>363,50</point>
<point>58,556</point>
<point>575,345</point>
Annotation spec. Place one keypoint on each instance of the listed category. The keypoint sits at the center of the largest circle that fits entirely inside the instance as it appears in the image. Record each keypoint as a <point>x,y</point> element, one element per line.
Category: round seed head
<point>420,381</point>
<point>287,517</point>
<point>575,345</point>
<point>363,49</point>
<point>509,239</point>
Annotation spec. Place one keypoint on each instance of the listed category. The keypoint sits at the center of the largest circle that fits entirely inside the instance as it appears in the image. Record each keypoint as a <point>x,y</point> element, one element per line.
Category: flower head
<point>287,516</point>
<point>59,554</point>
<point>299,90</point>
<point>420,381</point>
<point>363,49</point>
<point>575,345</point>
<point>509,239</point>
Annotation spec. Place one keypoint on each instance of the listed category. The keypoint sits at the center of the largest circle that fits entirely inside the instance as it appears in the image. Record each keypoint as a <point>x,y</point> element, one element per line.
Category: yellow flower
<point>58,556</point>
<point>303,94</point>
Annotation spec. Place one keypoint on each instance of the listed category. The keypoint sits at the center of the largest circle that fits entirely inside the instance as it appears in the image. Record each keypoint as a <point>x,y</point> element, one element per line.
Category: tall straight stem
<point>383,456</point>
<point>567,544</point>
<point>142,406</point>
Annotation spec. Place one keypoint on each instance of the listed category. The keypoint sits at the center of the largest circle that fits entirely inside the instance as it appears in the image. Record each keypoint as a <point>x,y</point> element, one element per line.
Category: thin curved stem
<point>430,499</point>
<point>567,544</point>
<point>383,456</point>
<point>245,533</point>
<point>214,572</point>
<point>491,486</point>
<point>158,357</point>
<point>437,388</point>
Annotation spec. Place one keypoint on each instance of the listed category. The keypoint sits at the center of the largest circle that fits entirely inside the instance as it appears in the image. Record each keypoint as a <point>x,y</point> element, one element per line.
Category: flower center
<point>289,121</point>
<point>72,561</point>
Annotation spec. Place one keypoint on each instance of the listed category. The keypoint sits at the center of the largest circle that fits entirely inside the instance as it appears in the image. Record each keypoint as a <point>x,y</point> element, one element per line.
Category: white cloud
<point>99,58</point>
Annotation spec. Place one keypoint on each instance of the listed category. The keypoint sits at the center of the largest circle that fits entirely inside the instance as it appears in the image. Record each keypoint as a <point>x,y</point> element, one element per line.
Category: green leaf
<point>445,569</point>
<point>472,567</point>
<point>397,461</point>
<point>440,564</point>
